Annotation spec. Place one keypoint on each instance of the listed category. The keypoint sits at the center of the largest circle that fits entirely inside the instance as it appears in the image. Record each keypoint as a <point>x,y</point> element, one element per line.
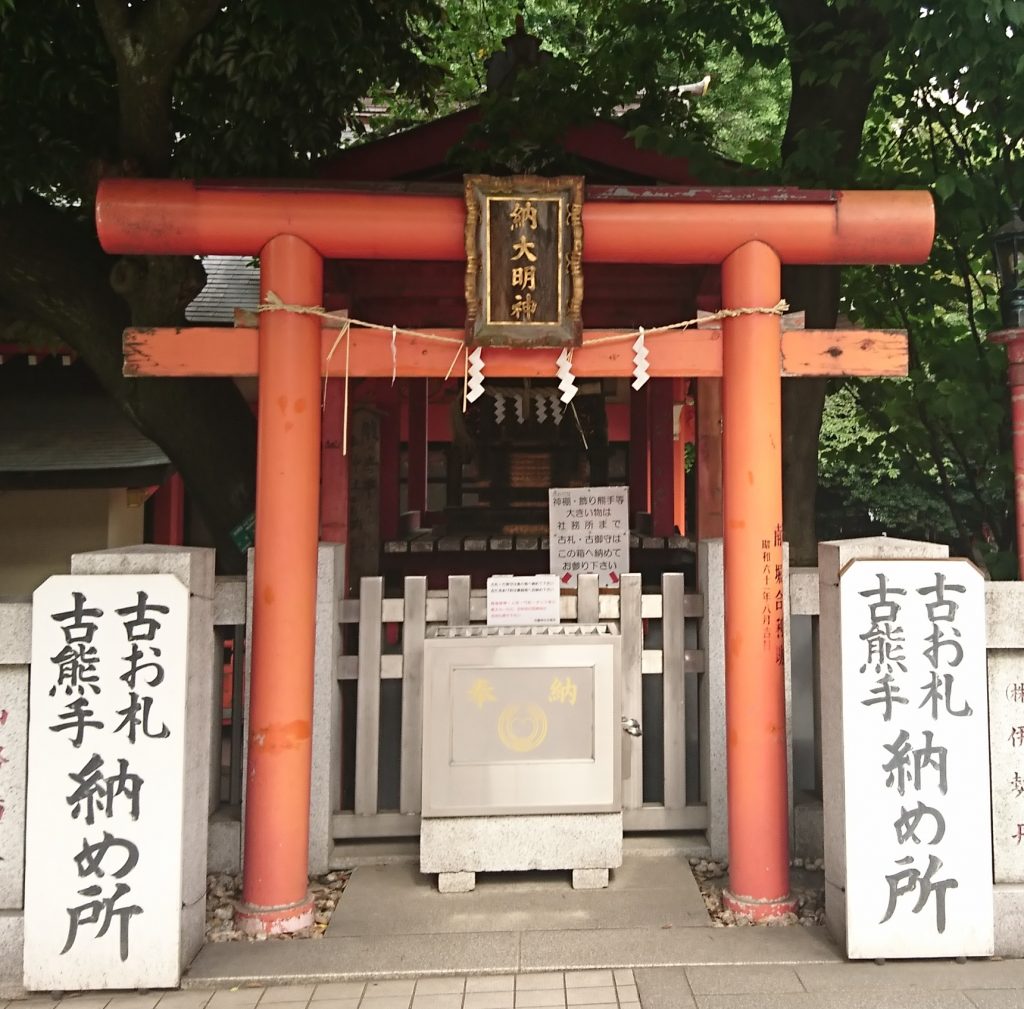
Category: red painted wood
<point>333,467</point>
<point>663,485</point>
<point>169,512</point>
<point>709,458</point>
<point>639,448</point>
<point>390,448</point>
<point>417,445</point>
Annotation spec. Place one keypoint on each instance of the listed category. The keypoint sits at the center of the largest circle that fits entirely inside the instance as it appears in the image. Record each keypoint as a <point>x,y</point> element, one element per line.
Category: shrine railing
<point>380,681</point>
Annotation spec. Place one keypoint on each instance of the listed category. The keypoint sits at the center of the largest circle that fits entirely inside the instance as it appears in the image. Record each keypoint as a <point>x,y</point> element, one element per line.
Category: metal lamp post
<point>1008,246</point>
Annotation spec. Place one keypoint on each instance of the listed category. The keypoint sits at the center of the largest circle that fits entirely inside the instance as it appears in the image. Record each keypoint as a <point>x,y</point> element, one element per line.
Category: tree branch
<point>146,41</point>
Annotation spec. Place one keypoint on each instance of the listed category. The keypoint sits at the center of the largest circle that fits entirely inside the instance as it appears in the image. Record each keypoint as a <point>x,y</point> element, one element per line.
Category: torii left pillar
<point>275,895</point>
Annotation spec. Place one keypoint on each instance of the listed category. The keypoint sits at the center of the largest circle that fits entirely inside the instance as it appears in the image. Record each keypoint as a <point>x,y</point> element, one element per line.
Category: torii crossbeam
<point>293,230</point>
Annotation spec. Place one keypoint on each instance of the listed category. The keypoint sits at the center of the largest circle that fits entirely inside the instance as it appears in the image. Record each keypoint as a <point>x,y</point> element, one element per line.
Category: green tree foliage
<point>170,87</point>
<point>808,92</point>
<point>945,117</point>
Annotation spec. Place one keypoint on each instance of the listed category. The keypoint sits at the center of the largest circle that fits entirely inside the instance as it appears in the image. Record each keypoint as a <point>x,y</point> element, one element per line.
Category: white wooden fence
<point>654,639</point>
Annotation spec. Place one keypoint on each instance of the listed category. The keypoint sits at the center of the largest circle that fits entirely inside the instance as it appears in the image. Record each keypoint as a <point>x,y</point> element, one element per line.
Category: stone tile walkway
<point>978,984</point>
<point>592,989</point>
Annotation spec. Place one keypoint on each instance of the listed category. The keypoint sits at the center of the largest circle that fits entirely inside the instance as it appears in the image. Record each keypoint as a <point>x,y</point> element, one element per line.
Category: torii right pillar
<point>752,536</point>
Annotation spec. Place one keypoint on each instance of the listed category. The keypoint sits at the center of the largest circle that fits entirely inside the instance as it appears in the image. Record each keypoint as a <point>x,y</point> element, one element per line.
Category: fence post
<point>325,785</point>
<point>714,771</point>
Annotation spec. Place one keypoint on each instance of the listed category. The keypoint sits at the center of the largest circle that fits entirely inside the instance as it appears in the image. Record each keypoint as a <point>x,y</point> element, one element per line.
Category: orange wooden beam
<point>688,353</point>
<point>170,216</point>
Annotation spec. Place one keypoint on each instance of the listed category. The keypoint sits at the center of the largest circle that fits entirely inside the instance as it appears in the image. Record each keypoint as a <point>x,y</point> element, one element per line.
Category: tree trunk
<point>826,116</point>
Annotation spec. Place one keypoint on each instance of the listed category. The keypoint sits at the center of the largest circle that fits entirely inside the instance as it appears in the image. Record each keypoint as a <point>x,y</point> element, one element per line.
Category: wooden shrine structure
<point>295,232</point>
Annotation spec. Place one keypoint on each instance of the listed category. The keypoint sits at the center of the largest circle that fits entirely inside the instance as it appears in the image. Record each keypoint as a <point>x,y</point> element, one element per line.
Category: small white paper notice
<point>589,533</point>
<point>530,600</point>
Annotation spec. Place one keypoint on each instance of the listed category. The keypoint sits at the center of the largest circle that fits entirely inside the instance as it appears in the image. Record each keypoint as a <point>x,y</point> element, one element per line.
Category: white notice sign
<point>532,600</point>
<point>106,732</point>
<point>915,750</point>
<point>589,533</point>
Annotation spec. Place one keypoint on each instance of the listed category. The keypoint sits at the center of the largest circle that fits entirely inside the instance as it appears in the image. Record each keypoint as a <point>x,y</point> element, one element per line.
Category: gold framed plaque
<point>524,261</point>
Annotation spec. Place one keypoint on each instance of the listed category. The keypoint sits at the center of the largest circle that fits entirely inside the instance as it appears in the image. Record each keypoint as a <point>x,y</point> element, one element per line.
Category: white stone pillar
<point>15,653</point>
<point>194,568</point>
<point>833,556</point>
<point>710,576</point>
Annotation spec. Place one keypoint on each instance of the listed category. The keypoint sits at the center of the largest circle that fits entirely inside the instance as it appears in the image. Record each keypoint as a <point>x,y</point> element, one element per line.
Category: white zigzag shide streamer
<point>556,408</point>
<point>640,355</point>
<point>475,378</point>
<point>499,407</point>
<point>540,402</point>
<point>566,379</point>
<point>520,407</point>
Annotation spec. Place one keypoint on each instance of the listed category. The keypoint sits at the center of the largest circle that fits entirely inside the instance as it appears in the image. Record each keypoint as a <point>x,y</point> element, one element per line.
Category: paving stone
<point>624,976</point>
<point>440,985</point>
<point>540,997</point>
<point>184,999</point>
<point>996,998</point>
<point>491,982</point>
<point>548,980</point>
<point>442,1000</point>
<point>133,1000</point>
<point>287,993</point>
<point>913,975</point>
<point>589,979</point>
<point>627,993</point>
<point>488,1000</point>
<point>590,996</point>
<point>235,997</point>
<point>386,1002</point>
<point>917,999</point>
<point>742,980</point>
<point>664,988</point>
<point>338,990</point>
<point>338,1003</point>
<point>401,987</point>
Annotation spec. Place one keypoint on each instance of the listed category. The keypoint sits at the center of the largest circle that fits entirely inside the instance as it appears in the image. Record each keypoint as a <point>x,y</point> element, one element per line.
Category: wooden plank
<point>392,611</point>
<point>631,629</point>
<point>368,695</point>
<point>659,818</point>
<point>458,600</point>
<point>639,449</point>
<point>709,458</point>
<point>417,444</point>
<point>587,599</point>
<point>349,825</point>
<point>390,667</point>
<point>652,661</point>
<point>663,459</point>
<point>413,632</point>
<point>844,352</point>
<point>673,638</point>
<point>687,353</point>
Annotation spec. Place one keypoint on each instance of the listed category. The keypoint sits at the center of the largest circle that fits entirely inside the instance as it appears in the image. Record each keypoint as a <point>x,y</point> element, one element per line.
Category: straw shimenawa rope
<point>273,303</point>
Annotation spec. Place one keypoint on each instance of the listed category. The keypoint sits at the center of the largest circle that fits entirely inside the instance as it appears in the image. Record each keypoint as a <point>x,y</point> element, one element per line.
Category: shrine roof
<point>73,441</point>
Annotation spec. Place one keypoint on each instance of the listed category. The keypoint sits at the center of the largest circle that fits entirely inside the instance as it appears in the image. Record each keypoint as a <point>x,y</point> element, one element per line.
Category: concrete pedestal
<point>458,847</point>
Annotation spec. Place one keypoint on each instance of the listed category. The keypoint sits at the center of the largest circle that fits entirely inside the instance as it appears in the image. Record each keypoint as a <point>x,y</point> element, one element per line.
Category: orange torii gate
<point>294,230</point>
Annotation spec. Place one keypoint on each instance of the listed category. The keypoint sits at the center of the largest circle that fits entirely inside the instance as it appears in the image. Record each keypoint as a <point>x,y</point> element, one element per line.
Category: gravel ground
<point>224,890</point>
<point>806,880</point>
